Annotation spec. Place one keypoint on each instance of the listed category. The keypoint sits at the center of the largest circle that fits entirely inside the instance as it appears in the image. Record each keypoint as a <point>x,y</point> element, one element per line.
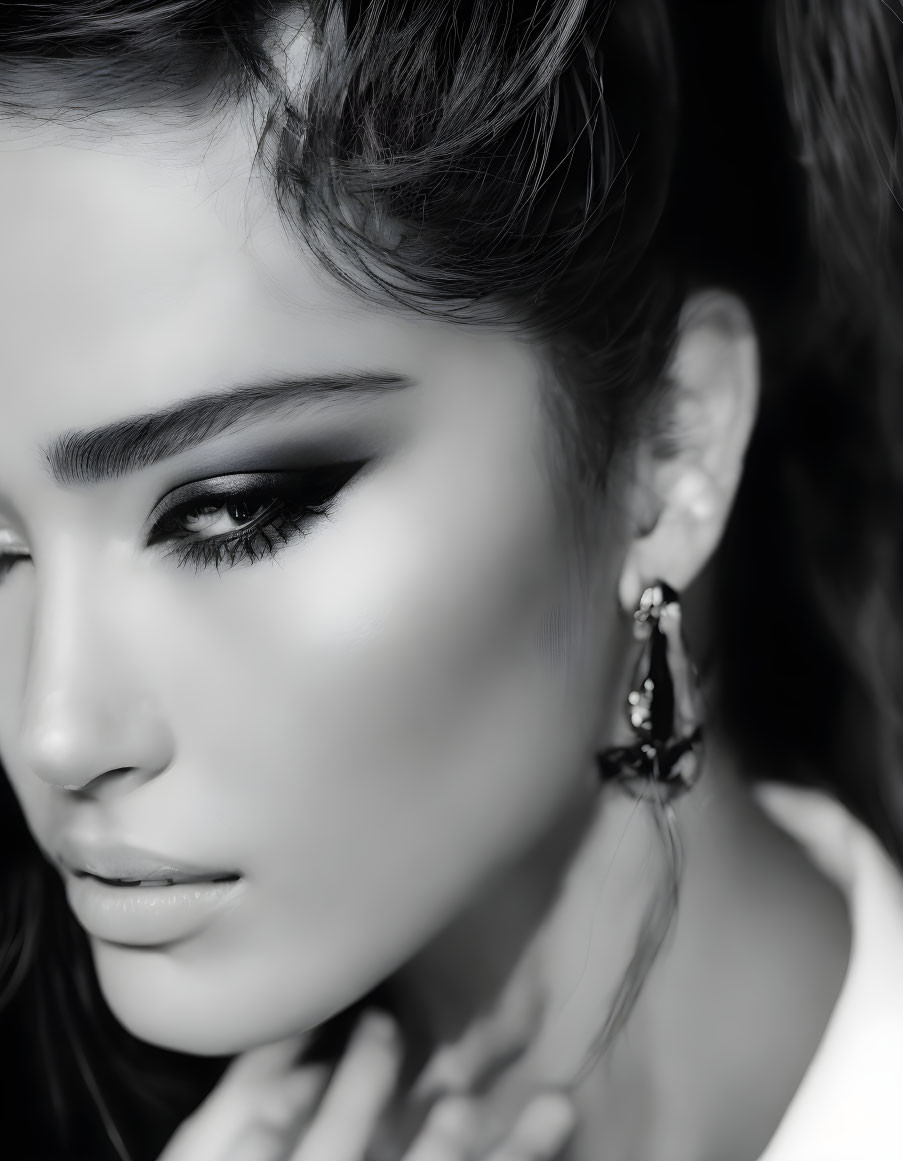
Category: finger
<point>249,1130</point>
<point>256,1142</point>
<point>253,1080</point>
<point>290,1102</point>
<point>447,1132</point>
<point>361,1088</point>
<point>261,1063</point>
<point>540,1132</point>
<point>464,1065</point>
<point>278,1118</point>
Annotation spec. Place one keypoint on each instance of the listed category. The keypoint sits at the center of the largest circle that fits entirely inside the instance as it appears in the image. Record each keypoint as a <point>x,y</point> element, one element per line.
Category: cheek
<point>367,649</point>
<point>368,735</point>
<point>380,691</point>
<point>368,727</point>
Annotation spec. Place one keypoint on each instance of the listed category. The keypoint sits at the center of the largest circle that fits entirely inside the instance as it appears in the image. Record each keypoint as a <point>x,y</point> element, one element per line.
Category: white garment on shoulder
<point>849,1106</point>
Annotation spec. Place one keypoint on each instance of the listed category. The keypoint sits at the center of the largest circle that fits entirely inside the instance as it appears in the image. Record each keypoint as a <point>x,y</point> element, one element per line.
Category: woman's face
<point>285,598</point>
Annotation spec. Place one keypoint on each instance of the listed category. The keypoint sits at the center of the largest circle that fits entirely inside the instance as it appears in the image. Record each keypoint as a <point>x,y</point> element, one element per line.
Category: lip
<point>129,865</point>
<point>140,898</point>
<point>148,916</point>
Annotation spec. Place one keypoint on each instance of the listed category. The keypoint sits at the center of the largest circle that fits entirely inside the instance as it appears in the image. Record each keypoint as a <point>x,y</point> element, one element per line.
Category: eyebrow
<point>93,455</point>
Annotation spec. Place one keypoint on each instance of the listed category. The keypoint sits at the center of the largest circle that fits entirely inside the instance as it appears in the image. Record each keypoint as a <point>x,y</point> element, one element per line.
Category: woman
<point>366,413</point>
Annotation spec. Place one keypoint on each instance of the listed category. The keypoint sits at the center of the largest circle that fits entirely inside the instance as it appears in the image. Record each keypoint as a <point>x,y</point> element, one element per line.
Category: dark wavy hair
<point>572,168</point>
<point>813,639</point>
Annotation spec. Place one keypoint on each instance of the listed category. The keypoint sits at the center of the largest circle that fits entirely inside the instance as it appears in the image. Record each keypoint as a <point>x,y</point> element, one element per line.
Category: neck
<point>513,996</point>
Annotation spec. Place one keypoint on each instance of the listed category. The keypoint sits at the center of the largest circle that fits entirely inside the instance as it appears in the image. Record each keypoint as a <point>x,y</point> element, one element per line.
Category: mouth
<point>163,878</point>
<point>138,898</point>
<point>128,866</point>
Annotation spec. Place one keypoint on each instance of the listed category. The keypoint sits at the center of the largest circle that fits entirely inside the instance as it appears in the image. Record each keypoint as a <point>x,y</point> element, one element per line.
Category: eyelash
<point>8,560</point>
<point>282,505</point>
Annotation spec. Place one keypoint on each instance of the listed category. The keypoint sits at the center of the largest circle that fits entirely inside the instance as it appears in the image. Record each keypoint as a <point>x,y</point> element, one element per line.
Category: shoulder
<point>848,1105</point>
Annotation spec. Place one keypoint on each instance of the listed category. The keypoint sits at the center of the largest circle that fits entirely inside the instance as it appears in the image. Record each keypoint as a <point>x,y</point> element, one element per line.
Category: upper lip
<point>123,863</point>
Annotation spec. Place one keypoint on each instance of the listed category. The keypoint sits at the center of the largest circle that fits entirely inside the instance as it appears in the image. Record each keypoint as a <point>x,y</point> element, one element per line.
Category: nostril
<point>91,783</point>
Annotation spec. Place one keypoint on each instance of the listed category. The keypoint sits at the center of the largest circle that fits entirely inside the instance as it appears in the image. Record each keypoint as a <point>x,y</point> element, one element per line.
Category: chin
<point>205,1011</point>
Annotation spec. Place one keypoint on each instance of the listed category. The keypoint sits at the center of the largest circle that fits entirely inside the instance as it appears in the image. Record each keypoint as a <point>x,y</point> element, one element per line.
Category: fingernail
<point>311,1079</point>
<point>377,1025</point>
<point>443,1074</point>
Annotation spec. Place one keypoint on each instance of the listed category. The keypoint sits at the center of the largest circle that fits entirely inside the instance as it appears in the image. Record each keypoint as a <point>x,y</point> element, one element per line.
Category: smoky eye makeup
<point>245,517</point>
<point>12,552</point>
<point>246,498</point>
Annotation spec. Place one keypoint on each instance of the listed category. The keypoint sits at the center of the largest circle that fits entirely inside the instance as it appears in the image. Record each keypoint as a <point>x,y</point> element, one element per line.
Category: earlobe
<point>691,467</point>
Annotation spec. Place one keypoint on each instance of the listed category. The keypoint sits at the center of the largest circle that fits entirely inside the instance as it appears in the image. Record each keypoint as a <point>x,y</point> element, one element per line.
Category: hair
<point>814,641</point>
<point>566,171</point>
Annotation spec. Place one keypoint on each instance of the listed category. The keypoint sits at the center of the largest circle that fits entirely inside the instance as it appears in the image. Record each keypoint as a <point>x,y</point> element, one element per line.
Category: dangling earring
<point>662,706</point>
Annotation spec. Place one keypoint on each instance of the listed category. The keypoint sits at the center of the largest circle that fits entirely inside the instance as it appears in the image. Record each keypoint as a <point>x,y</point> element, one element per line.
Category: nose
<point>88,718</point>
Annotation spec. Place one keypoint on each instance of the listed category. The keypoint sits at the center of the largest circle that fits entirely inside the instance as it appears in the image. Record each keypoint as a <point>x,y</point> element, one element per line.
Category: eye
<point>245,517</point>
<point>11,553</point>
<point>9,558</point>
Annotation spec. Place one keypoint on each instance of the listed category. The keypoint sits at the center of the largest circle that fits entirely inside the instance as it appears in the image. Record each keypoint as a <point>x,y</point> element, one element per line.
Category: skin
<point>388,728</point>
<point>267,1108</point>
<point>386,671</point>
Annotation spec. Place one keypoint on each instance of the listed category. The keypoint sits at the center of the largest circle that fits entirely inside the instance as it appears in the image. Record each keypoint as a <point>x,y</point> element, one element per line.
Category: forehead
<point>153,258</point>
<point>127,257</point>
<point>154,265</point>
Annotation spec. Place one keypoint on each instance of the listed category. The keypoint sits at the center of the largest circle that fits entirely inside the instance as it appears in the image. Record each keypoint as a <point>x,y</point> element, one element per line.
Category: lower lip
<point>147,916</point>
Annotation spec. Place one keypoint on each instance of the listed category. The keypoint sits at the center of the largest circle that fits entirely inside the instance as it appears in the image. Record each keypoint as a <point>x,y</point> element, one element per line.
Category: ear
<point>688,472</point>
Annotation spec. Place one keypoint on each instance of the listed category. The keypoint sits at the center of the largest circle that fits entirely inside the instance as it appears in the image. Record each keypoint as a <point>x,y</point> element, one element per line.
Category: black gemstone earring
<point>662,706</point>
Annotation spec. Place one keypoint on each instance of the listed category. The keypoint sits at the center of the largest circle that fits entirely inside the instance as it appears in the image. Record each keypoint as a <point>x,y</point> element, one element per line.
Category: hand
<point>268,1108</point>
